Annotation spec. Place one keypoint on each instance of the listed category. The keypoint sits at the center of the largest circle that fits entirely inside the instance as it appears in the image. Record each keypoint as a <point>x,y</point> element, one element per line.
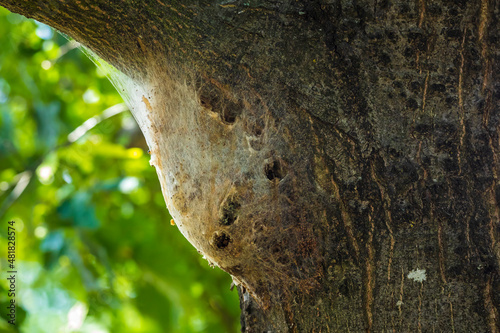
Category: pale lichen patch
<point>417,275</point>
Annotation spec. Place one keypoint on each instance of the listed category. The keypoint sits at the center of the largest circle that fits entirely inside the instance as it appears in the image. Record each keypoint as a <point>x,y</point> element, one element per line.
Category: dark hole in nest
<point>221,240</point>
<point>256,127</point>
<point>230,111</point>
<point>230,212</point>
<point>210,101</point>
<point>276,249</point>
<point>283,260</point>
<point>226,107</point>
<point>274,170</point>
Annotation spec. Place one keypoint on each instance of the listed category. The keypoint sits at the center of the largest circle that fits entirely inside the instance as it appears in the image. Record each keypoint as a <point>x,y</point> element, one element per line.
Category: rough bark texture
<point>338,158</point>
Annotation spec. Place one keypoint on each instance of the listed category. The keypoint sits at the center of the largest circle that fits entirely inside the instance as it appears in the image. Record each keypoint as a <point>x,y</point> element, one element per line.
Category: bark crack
<point>483,26</point>
<point>346,219</point>
<point>461,102</point>
<point>490,308</point>
<point>370,263</point>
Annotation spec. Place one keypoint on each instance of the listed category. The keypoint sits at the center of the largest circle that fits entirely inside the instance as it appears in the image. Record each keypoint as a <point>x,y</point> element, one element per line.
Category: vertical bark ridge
<point>461,101</point>
<point>370,267</point>
<point>490,308</point>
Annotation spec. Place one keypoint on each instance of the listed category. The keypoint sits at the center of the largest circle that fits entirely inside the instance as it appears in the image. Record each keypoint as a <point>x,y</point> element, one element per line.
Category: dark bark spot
<point>274,170</point>
<point>392,35</point>
<point>347,288</point>
<point>451,100</point>
<point>423,128</point>
<point>487,269</point>
<point>438,88</point>
<point>394,153</point>
<point>480,105</point>
<point>418,40</point>
<point>404,8</point>
<point>450,165</point>
<point>408,52</point>
<point>374,34</point>
<point>384,59</point>
<point>454,271</point>
<point>221,240</point>
<point>384,4</point>
<point>411,103</point>
<point>397,84</point>
<point>496,90</point>
<point>453,33</point>
<point>404,172</point>
<point>430,251</point>
<point>460,3</point>
<point>415,86</point>
<point>230,212</point>
<point>434,10</point>
<point>460,251</point>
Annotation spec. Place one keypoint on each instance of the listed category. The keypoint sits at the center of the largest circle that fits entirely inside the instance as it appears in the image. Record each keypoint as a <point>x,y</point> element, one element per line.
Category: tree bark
<point>338,158</point>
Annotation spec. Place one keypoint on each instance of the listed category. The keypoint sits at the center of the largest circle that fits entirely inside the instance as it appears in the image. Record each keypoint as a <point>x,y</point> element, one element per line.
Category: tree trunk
<point>338,158</point>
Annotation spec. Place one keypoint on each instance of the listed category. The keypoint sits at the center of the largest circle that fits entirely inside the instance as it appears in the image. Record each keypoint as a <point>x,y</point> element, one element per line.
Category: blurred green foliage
<point>95,248</point>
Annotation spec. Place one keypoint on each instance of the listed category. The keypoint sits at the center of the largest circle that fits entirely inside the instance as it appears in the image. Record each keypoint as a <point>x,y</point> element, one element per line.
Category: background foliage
<point>95,248</point>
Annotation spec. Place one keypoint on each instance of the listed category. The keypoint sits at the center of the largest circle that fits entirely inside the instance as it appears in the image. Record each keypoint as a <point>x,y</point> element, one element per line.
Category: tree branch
<point>123,33</point>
